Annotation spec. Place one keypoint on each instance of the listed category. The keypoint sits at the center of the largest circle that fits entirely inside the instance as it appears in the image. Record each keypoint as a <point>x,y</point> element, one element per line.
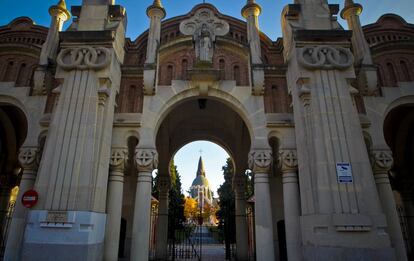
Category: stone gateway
<point>87,115</point>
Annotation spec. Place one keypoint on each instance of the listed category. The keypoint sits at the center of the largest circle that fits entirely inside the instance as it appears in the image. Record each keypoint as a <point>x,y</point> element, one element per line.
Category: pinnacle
<point>62,4</point>
<point>200,169</point>
<point>157,3</point>
<point>349,3</point>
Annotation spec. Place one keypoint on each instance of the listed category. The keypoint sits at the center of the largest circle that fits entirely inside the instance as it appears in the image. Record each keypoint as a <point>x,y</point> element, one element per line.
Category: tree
<point>191,210</point>
<point>176,201</point>
<point>226,213</point>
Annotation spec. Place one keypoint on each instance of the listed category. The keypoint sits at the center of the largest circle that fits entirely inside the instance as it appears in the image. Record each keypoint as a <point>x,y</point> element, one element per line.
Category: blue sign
<point>344,172</point>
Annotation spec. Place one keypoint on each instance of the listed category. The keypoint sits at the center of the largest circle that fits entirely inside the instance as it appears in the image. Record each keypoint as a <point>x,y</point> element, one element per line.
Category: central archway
<point>202,118</point>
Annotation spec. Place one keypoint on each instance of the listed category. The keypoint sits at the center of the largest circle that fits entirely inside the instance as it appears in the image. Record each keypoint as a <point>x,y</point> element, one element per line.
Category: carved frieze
<point>260,160</point>
<point>84,58</point>
<point>146,159</point>
<point>325,58</point>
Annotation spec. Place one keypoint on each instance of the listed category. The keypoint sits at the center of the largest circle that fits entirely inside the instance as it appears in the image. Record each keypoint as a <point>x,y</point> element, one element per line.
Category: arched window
<point>169,75</point>
<point>391,73</point>
<point>222,67</point>
<point>132,96</point>
<point>405,72</point>
<point>184,68</point>
<point>236,74</point>
<point>8,73</point>
<point>21,75</point>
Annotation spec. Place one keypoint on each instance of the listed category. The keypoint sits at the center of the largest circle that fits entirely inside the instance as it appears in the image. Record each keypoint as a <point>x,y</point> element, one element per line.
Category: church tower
<point>200,188</point>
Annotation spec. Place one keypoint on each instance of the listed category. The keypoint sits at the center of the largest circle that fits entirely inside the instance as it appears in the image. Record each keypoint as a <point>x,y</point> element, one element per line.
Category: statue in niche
<point>204,26</point>
<point>204,44</point>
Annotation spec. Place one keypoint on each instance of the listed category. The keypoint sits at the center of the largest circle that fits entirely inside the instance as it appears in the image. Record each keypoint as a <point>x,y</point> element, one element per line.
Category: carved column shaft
<point>260,162</point>
<point>382,162</point>
<point>28,159</point>
<point>114,202</point>
<point>146,161</point>
<point>164,185</point>
<point>291,203</point>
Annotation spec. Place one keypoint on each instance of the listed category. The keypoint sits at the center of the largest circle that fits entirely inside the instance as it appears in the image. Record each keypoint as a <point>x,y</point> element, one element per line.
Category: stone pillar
<point>367,76</point>
<point>239,187</point>
<point>251,12</point>
<point>382,163</point>
<point>164,186</point>
<point>114,203</point>
<point>260,162</point>
<point>291,203</point>
<point>28,158</point>
<point>156,13</point>
<point>59,14</point>
<point>147,161</point>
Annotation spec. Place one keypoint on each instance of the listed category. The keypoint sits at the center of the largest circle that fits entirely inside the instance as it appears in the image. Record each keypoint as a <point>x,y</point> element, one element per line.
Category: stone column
<point>28,158</point>
<point>239,187</point>
<point>260,162</point>
<point>164,185</point>
<point>291,203</point>
<point>156,13</point>
<point>147,161</point>
<point>251,12</point>
<point>382,163</point>
<point>114,203</point>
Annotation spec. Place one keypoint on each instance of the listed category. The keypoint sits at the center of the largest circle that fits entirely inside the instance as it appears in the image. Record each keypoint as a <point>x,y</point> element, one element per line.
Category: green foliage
<point>226,213</point>
<point>176,201</point>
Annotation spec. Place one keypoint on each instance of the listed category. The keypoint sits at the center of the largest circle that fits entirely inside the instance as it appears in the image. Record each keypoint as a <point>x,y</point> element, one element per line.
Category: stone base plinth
<point>79,237</point>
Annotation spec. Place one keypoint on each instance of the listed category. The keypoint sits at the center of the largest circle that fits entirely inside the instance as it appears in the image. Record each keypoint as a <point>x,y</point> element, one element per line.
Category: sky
<point>138,21</point>
<point>214,158</point>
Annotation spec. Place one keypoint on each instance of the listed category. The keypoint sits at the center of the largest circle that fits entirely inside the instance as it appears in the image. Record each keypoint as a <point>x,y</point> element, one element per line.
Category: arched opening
<point>200,119</point>
<point>398,132</point>
<point>13,131</point>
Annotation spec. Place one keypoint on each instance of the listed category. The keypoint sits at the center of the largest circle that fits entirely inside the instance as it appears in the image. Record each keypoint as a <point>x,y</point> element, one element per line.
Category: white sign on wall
<point>344,172</point>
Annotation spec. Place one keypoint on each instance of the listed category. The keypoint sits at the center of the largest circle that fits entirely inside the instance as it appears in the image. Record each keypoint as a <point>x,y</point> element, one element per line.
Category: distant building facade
<point>323,117</point>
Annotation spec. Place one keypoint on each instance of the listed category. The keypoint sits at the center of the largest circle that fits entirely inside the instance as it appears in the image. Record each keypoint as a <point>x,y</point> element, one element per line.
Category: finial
<point>251,6</point>
<point>156,6</point>
<point>351,7</point>
<point>60,10</point>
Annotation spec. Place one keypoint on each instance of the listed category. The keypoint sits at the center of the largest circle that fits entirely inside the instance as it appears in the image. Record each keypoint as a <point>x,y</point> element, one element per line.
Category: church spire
<point>200,169</point>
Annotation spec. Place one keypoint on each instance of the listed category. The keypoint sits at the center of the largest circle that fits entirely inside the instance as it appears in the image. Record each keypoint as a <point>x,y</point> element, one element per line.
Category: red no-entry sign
<point>29,198</point>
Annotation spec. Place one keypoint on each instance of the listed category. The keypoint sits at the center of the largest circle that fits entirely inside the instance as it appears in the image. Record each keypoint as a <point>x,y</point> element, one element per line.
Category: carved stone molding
<point>29,158</point>
<point>325,58</point>
<point>118,159</point>
<point>288,160</point>
<point>84,58</point>
<point>382,160</point>
<point>146,159</point>
<point>260,160</point>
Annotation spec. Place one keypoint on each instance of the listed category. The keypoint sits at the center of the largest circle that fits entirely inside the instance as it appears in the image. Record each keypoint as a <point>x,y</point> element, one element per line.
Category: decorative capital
<point>325,58</point>
<point>29,158</point>
<point>239,183</point>
<point>288,160</point>
<point>84,58</point>
<point>146,159</point>
<point>164,183</point>
<point>118,159</point>
<point>382,160</point>
<point>260,160</point>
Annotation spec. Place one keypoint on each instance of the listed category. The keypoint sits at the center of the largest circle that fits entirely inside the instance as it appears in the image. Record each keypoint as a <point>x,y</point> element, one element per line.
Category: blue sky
<point>214,156</point>
<point>138,22</point>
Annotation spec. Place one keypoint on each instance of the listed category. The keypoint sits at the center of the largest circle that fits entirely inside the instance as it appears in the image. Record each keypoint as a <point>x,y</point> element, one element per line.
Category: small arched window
<point>222,68</point>
<point>169,77</point>
<point>21,75</point>
<point>405,71</point>
<point>184,68</point>
<point>236,74</point>
<point>392,75</point>
<point>8,73</point>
